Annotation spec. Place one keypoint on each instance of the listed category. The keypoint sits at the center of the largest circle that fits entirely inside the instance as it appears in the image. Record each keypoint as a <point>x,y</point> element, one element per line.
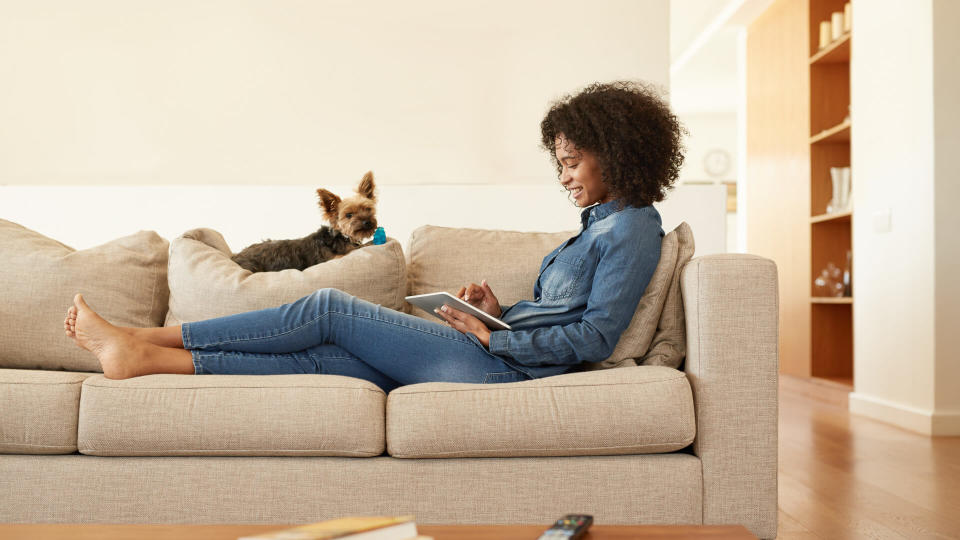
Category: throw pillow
<point>635,340</point>
<point>669,345</point>
<point>205,283</point>
<point>124,280</point>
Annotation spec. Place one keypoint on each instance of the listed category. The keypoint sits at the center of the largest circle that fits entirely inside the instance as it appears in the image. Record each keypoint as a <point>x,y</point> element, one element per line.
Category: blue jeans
<point>334,333</point>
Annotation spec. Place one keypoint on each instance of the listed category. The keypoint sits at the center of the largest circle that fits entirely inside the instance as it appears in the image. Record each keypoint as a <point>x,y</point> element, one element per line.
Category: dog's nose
<point>367,224</point>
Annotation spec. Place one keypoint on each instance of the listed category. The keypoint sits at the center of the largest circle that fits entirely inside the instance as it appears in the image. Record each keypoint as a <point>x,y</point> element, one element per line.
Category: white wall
<point>709,131</point>
<point>898,287</point>
<point>303,92</point>
<point>86,216</point>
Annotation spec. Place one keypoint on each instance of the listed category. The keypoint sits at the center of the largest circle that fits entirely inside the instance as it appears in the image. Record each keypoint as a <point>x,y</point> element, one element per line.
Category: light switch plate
<point>882,222</point>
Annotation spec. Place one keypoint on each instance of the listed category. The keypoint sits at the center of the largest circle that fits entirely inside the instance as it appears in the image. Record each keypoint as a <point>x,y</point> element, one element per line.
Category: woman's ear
<point>367,186</point>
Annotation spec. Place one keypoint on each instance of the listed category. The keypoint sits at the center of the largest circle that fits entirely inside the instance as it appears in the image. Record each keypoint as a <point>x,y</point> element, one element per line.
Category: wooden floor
<point>846,476</point>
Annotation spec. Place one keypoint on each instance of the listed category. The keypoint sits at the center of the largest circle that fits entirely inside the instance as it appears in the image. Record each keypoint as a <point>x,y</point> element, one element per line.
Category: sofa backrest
<point>445,259</point>
<point>125,280</point>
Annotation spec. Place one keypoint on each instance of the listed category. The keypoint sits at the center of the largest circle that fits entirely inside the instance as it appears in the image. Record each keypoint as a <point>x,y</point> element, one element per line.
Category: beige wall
<point>903,155</point>
<point>294,92</point>
<point>946,191</point>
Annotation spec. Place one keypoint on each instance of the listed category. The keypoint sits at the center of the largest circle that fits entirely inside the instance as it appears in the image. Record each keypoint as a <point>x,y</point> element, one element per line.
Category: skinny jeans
<point>333,333</point>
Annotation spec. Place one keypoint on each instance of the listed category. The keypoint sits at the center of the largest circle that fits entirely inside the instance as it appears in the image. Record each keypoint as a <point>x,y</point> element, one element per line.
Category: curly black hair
<point>631,131</point>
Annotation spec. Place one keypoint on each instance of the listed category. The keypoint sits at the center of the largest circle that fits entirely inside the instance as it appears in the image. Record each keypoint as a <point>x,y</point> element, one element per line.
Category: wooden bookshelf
<point>831,318</point>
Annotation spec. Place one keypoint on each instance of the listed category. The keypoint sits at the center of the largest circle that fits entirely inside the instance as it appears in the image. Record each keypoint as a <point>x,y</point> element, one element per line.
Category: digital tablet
<point>431,301</point>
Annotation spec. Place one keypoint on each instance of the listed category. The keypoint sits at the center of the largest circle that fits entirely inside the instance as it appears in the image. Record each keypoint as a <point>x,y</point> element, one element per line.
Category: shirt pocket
<point>562,277</point>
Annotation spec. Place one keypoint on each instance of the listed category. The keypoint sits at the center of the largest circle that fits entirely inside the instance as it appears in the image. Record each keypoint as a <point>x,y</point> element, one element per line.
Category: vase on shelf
<point>840,180</point>
<point>830,282</point>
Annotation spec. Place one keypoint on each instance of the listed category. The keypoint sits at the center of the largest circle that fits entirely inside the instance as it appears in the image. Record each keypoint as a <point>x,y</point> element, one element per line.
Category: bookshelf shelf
<point>837,134</point>
<point>840,216</point>
<point>832,300</point>
<point>838,51</point>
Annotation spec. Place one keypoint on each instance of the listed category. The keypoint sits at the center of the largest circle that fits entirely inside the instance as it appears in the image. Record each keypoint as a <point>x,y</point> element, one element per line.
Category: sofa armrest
<point>731,308</point>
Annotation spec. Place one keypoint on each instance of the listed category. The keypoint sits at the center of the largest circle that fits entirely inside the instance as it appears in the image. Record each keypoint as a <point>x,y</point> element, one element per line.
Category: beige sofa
<point>633,444</point>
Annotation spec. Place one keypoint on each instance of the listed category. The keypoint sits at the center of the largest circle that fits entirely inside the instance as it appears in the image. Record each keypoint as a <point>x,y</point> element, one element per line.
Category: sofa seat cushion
<point>40,411</point>
<point>231,415</point>
<point>635,410</point>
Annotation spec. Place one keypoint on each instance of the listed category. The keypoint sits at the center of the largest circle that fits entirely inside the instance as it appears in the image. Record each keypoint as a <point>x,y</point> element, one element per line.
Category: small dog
<point>351,221</point>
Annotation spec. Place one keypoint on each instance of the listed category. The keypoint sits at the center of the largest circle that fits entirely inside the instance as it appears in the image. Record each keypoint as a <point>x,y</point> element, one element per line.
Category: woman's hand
<point>465,323</point>
<point>480,297</point>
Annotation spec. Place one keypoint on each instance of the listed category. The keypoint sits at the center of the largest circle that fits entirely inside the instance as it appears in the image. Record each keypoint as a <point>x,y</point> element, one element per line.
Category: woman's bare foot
<point>121,355</point>
<point>164,336</point>
<point>116,350</point>
<point>70,323</point>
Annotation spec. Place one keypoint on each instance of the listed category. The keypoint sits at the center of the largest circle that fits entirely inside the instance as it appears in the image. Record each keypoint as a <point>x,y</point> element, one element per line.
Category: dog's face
<point>356,216</point>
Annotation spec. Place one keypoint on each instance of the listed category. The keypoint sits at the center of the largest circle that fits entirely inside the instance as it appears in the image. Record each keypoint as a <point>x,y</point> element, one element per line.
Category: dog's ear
<point>330,204</point>
<point>367,187</point>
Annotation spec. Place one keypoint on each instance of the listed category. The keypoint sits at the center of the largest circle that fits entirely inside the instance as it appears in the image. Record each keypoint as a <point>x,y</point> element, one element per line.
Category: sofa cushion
<point>125,280</point>
<point>636,410</point>
<point>39,411</point>
<point>445,259</point>
<point>205,283</point>
<point>231,415</point>
<point>668,346</point>
<point>636,339</point>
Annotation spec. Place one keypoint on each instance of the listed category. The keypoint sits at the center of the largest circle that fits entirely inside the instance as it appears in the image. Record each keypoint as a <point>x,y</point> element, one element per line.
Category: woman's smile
<point>580,174</point>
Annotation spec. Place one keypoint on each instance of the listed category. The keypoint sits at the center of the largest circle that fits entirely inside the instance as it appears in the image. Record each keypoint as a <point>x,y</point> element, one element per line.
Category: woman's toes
<point>70,322</point>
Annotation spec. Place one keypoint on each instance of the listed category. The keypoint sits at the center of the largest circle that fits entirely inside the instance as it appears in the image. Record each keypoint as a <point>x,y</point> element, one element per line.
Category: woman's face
<point>580,174</point>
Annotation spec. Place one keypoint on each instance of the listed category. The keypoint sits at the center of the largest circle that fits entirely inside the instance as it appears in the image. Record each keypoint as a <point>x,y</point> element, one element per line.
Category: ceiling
<point>688,19</point>
<point>704,36</point>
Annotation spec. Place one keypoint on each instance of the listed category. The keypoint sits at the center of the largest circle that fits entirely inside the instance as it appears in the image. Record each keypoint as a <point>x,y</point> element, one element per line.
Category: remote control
<point>569,527</point>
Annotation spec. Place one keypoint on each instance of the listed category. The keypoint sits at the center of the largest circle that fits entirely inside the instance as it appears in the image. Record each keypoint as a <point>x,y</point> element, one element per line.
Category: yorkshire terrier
<point>351,221</point>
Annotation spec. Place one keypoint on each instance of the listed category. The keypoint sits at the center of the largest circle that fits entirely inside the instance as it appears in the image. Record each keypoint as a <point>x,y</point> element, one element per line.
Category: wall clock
<point>717,162</point>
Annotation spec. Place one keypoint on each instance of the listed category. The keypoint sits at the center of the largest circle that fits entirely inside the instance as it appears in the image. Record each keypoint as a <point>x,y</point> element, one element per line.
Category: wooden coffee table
<point>438,532</point>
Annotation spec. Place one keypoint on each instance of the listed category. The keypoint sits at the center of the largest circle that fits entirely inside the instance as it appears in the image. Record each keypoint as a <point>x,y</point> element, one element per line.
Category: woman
<point>617,150</point>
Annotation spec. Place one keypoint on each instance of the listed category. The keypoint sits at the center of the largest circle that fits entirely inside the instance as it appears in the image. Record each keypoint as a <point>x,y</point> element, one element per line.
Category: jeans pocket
<point>504,377</point>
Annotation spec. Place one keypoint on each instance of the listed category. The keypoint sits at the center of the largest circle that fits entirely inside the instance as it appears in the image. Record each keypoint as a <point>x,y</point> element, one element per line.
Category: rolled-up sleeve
<point>625,267</point>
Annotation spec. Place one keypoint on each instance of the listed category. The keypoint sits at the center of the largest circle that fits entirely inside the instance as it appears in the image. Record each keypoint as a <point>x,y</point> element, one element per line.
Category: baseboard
<point>913,418</point>
<point>946,423</point>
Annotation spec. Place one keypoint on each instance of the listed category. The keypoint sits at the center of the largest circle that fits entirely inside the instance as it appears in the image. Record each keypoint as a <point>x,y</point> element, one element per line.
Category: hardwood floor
<point>846,476</point>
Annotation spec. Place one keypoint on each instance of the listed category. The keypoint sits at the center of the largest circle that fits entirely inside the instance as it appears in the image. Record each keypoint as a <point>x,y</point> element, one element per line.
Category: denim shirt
<point>586,294</point>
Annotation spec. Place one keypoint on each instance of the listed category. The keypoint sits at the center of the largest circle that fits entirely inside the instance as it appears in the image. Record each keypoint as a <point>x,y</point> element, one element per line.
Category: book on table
<point>348,528</point>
